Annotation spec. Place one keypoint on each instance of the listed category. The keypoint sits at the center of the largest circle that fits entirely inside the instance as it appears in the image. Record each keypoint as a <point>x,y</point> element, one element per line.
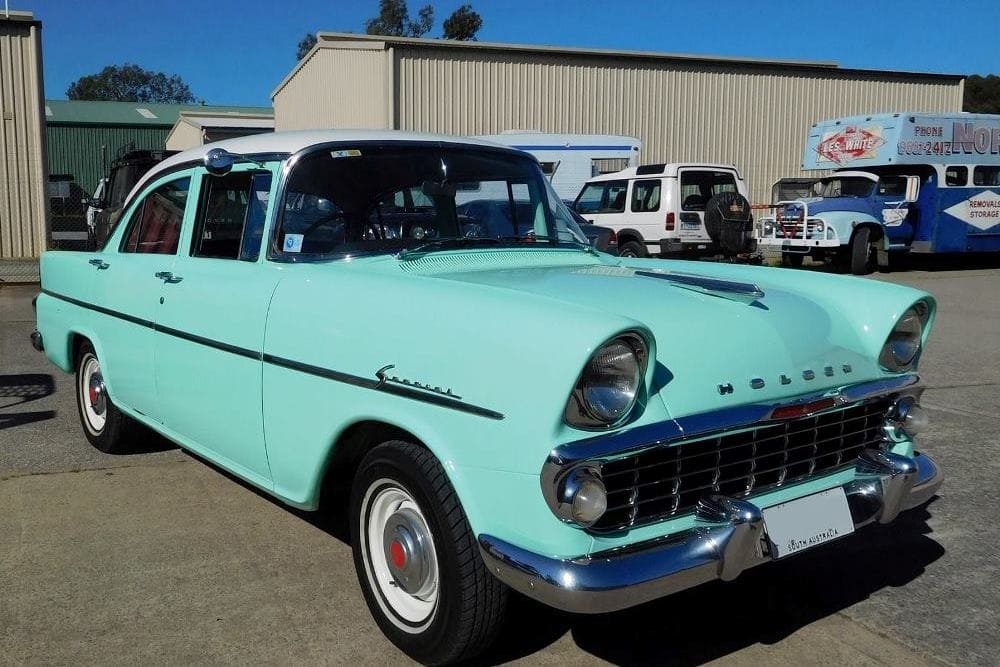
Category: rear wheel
<point>631,249</point>
<point>417,559</point>
<point>103,423</point>
<point>863,253</point>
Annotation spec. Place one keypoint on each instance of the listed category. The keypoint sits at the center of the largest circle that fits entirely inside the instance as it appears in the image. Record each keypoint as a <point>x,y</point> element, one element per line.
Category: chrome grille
<point>667,481</point>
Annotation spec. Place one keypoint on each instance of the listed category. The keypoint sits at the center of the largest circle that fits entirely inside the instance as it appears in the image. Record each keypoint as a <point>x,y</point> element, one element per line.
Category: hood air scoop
<point>734,291</point>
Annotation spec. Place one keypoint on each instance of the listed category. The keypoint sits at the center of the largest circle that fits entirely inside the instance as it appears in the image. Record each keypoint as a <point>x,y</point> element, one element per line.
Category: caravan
<point>570,160</point>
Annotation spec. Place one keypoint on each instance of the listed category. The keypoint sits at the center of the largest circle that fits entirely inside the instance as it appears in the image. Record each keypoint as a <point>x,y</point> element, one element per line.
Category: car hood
<point>856,204</point>
<point>724,334</point>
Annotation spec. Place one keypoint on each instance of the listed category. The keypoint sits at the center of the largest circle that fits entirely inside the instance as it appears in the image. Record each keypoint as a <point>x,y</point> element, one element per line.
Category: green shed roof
<point>75,112</point>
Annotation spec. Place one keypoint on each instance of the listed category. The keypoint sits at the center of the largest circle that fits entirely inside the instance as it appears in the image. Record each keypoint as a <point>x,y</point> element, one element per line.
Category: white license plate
<point>806,522</point>
<point>690,225</point>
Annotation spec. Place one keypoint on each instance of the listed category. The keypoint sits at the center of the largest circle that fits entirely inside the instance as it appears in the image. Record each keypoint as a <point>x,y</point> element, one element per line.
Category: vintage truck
<point>903,182</point>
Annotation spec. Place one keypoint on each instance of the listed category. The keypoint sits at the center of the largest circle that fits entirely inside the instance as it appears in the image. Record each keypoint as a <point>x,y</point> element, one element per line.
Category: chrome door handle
<point>99,263</point>
<point>167,277</point>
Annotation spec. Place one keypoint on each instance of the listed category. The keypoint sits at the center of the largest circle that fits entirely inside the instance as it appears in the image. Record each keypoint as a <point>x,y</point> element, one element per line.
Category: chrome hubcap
<point>98,399</point>
<point>405,542</point>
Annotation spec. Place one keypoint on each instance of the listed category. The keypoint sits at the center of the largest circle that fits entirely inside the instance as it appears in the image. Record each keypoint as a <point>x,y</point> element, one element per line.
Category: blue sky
<point>236,51</point>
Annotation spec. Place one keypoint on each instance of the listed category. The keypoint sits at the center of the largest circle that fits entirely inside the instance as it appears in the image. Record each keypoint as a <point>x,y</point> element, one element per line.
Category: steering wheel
<point>325,220</point>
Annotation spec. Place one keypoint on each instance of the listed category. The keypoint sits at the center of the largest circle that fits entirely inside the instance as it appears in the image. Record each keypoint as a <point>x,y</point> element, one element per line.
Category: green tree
<point>982,94</point>
<point>463,24</point>
<point>393,20</point>
<point>130,83</point>
<point>305,44</point>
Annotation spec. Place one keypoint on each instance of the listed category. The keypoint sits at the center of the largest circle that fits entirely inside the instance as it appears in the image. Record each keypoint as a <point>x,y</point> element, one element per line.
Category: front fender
<point>513,355</point>
<point>844,223</point>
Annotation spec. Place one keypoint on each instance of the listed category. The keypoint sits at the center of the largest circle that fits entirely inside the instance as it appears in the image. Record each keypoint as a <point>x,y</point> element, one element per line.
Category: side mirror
<point>219,161</point>
<point>912,189</point>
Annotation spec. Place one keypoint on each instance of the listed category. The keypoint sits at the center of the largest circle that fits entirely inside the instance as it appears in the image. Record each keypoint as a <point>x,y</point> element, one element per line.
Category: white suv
<point>658,208</point>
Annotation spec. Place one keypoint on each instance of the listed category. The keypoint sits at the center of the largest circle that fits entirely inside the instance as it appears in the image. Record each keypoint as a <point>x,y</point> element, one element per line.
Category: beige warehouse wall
<point>337,87</point>
<point>23,171</point>
<point>755,116</point>
<point>183,136</point>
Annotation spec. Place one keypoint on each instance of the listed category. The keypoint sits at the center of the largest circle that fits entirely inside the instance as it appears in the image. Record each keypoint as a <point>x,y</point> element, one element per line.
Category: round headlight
<point>904,341</point>
<point>610,382</point>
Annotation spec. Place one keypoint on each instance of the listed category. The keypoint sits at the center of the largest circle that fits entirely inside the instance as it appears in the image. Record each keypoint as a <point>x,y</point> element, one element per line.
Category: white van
<point>658,208</point>
<point>570,160</point>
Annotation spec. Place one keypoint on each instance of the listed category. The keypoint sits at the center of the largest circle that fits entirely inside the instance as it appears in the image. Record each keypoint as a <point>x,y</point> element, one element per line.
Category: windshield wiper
<point>457,242</point>
<point>444,244</point>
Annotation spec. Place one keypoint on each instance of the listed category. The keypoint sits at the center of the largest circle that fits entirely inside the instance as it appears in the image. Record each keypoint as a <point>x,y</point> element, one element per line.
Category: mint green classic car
<point>496,405</point>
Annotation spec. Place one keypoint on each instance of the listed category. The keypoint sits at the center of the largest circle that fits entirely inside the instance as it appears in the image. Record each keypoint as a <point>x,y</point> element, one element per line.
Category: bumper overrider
<point>729,536</point>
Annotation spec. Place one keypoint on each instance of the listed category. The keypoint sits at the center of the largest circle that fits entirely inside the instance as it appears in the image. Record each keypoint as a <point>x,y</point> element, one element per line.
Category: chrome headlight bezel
<point>580,410</point>
<point>904,343</point>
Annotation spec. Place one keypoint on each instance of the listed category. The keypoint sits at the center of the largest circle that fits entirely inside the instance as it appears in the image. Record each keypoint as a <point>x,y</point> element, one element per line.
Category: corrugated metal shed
<point>751,112</point>
<point>83,136</point>
<point>22,140</point>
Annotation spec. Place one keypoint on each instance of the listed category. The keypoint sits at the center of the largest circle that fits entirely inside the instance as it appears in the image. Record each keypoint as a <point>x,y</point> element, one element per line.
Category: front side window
<point>646,196</point>
<point>892,186</point>
<point>230,219</point>
<point>155,225</point>
<point>602,197</point>
<point>390,198</point>
<point>986,176</point>
<point>698,186</point>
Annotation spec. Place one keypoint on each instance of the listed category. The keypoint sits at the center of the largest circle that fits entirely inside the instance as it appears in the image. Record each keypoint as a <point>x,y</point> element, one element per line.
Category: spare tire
<point>729,223</point>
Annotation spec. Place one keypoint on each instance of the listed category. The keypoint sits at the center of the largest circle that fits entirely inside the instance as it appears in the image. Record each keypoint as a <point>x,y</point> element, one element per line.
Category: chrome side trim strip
<point>729,537</point>
<point>329,374</point>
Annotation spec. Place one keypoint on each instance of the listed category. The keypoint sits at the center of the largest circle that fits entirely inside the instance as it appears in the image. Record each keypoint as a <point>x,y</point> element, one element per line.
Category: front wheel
<point>862,253</point>
<point>417,559</point>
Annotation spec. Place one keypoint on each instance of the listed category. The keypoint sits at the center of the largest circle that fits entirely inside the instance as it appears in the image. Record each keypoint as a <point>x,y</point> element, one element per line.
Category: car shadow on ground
<point>16,390</point>
<point>764,605</point>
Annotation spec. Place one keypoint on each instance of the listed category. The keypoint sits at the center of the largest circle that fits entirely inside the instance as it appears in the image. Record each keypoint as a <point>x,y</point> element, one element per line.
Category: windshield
<point>390,198</point>
<point>845,186</point>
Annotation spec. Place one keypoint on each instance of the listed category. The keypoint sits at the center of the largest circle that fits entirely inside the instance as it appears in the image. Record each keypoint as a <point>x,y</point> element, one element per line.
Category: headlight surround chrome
<point>902,347</point>
<point>610,383</point>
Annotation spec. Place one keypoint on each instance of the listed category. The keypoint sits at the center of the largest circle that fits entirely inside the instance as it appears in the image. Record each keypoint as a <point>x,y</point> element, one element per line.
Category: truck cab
<point>658,208</point>
<point>904,182</point>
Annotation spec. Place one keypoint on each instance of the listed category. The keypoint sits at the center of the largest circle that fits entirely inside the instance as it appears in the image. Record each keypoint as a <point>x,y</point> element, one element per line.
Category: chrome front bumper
<point>730,537</point>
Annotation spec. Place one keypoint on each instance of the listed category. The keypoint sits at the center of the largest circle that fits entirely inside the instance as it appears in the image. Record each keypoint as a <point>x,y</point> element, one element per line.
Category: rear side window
<point>956,176</point>
<point>230,221</point>
<point>986,176</point>
<point>698,186</point>
<point>155,226</point>
<point>646,196</point>
<point>603,197</point>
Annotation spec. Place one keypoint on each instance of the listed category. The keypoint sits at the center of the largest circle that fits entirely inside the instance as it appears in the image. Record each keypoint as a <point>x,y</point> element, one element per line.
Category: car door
<point>898,216</point>
<point>210,327</point>
<point>644,208</point>
<point>128,285</point>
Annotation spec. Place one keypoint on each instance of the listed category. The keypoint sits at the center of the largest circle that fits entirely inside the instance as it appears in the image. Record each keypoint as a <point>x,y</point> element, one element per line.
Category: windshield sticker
<point>293,242</point>
<point>350,152</point>
<point>851,143</point>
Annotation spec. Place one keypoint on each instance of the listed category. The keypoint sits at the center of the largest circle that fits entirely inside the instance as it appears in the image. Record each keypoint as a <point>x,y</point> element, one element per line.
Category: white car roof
<point>669,171</point>
<point>294,141</point>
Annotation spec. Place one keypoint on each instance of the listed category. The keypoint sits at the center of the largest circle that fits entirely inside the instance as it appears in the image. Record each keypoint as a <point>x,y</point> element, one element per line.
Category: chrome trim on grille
<point>603,449</point>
